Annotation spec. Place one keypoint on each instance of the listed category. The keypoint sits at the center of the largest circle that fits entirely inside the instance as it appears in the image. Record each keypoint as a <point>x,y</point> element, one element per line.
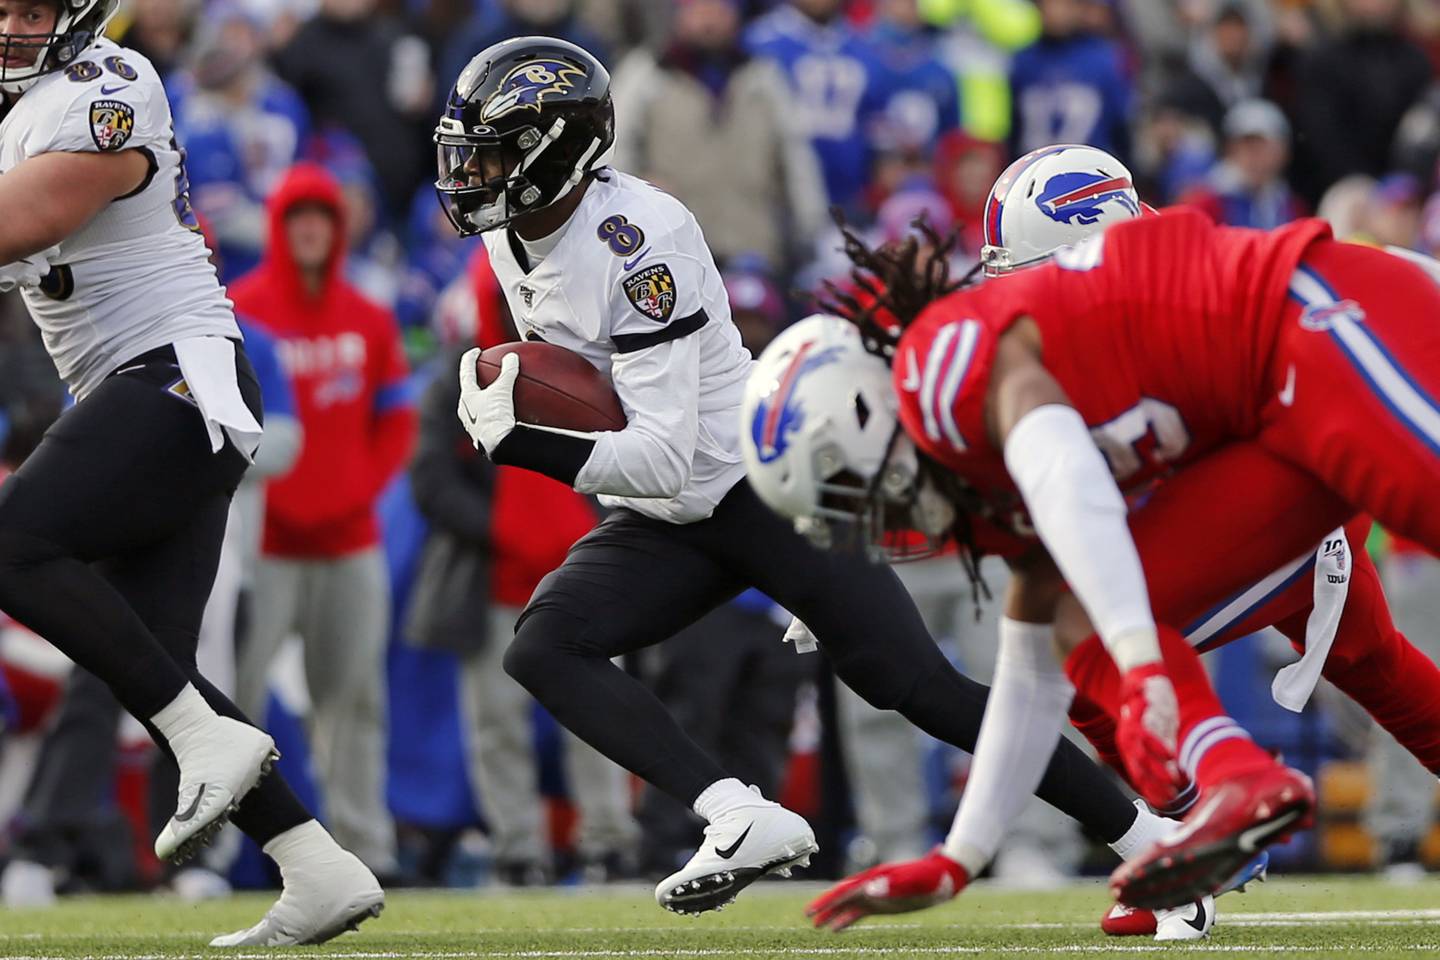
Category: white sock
<point>300,843</point>
<point>723,796</point>
<point>182,714</point>
<point>1021,727</point>
<point>1147,829</point>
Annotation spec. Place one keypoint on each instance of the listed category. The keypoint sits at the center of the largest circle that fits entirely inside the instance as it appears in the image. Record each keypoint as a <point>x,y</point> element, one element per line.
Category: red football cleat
<point>1123,921</point>
<point>1220,836</point>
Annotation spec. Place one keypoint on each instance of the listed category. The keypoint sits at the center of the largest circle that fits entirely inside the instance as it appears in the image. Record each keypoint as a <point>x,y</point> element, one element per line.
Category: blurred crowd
<point>380,564</point>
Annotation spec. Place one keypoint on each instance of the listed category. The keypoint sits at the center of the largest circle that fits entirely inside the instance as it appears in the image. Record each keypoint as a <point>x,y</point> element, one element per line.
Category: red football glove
<point>1149,722</point>
<point>889,888</point>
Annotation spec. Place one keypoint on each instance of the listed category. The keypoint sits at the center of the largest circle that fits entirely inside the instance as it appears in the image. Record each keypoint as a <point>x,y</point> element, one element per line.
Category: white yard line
<point>1085,948</point>
<point>1379,918</point>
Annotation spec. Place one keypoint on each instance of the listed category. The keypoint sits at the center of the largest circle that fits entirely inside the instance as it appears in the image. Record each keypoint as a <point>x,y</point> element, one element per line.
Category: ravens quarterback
<point>110,531</point>
<point>604,264</point>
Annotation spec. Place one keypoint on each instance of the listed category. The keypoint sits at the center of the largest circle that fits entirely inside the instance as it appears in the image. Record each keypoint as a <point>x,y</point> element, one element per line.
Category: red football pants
<point>1356,370</point>
<point>1226,523</point>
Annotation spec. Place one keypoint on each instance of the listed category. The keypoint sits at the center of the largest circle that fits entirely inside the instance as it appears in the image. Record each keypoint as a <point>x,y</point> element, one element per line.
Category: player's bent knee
<point>526,659</point>
<point>545,639</point>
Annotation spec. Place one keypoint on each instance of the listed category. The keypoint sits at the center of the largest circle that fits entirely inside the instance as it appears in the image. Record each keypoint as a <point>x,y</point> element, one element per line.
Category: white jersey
<point>137,276</point>
<point>631,286</point>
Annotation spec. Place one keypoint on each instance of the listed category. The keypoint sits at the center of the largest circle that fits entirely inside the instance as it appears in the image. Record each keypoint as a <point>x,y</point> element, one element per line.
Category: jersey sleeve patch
<point>651,291</point>
<point>112,123</point>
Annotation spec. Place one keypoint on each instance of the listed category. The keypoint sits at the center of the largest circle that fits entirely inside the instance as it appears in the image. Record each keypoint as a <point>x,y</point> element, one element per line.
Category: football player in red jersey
<point>1327,601</point>
<point>1165,367</point>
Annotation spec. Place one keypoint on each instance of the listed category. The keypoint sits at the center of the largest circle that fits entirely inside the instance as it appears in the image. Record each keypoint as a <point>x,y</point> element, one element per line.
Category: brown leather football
<point>556,387</point>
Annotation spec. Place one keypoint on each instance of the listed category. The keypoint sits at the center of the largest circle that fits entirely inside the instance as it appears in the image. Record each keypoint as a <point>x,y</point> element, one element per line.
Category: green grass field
<point>1312,917</point>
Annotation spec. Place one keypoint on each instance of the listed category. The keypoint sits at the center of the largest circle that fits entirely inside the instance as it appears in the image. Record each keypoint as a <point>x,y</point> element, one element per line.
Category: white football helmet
<point>1051,198</point>
<point>820,434</point>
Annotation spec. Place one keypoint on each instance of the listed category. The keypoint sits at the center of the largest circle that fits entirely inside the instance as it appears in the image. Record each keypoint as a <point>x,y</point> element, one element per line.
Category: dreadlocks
<point>897,281</point>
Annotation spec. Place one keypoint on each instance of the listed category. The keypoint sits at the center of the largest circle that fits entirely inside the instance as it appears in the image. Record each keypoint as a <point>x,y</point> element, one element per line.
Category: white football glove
<point>488,413</point>
<point>27,271</point>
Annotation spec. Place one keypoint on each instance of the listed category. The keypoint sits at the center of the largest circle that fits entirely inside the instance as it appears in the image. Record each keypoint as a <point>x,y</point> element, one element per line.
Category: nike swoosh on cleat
<point>194,806</point>
<point>1198,922</point>
<point>729,851</point>
<point>1250,839</point>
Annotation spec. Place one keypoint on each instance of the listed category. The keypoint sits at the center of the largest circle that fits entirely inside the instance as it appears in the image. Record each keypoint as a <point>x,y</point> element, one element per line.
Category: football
<point>556,387</point>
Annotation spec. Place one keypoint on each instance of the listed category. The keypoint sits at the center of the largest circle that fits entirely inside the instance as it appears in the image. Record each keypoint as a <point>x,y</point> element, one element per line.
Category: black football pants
<point>634,581</point>
<point>110,534</point>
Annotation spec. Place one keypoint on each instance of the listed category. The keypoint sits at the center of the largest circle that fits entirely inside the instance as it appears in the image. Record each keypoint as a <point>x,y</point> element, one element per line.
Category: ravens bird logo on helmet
<point>528,85</point>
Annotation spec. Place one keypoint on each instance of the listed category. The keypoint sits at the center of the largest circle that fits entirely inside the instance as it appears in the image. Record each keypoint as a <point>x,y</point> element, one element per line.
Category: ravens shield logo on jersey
<point>652,292</point>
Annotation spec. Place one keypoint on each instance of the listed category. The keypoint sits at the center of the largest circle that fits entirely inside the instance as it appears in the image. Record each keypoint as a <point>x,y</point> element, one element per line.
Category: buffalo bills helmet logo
<point>1080,197</point>
<point>528,85</point>
<point>779,415</point>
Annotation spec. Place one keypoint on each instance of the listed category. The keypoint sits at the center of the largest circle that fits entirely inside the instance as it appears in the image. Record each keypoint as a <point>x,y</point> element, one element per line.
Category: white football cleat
<point>220,761</point>
<point>740,847</point>
<point>1190,922</point>
<point>323,897</point>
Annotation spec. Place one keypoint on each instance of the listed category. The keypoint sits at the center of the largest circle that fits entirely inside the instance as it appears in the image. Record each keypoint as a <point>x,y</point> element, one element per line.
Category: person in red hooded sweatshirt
<point>322,571</point>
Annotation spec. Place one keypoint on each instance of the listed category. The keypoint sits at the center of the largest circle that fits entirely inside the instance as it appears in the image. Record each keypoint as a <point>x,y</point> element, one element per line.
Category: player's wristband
<point>557,455</point>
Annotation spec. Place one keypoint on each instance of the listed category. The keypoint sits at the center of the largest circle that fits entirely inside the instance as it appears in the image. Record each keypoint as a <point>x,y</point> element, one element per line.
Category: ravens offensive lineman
<point>604,264</point>
<point>110,531</point>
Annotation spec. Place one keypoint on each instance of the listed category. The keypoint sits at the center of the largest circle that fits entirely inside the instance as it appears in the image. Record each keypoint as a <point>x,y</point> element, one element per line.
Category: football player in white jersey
<point>110,531</point>
<point>606,265</point>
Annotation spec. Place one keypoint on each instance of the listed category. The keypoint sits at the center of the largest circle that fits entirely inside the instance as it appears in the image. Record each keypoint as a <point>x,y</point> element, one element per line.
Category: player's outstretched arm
<point>1080,515</point>
<point>46,198</point>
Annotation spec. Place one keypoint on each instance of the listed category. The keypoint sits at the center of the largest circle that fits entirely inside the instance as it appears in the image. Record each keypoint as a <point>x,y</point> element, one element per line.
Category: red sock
<point>1096,705</point>
<point>1213,748</point>
<point>1099,728</point>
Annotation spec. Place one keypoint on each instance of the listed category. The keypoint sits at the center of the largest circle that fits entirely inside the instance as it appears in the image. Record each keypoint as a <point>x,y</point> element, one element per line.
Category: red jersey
<point>1160,331</point>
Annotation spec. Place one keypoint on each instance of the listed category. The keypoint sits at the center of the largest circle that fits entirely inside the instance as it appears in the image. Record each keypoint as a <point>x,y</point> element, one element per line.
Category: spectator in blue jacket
<point>837,86</point>
<point>917,88</point>
<point>1070,86</point>
<point>242,127</point>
